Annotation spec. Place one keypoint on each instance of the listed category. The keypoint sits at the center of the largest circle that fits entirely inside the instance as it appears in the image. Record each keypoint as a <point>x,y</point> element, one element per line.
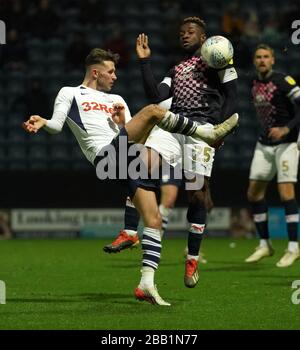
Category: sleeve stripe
<point>166,80</point>
<point>294,93</point>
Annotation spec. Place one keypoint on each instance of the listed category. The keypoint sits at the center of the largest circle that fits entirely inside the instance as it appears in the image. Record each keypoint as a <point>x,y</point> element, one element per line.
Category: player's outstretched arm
<point>142,47</point>
<point>34,124</point>
<point>155,92</point>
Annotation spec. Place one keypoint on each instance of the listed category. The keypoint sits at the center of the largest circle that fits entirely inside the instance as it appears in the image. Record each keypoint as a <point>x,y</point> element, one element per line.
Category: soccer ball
<point>217,51</point>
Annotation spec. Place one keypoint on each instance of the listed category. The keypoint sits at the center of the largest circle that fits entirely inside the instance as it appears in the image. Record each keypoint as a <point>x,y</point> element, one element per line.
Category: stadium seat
<point>54,45</point>
<point>17,152</point>
<point>38,158</point>
<point>17,136</point>
<point>55,58</point>
<point>37,153</point>
<point>74,77</point>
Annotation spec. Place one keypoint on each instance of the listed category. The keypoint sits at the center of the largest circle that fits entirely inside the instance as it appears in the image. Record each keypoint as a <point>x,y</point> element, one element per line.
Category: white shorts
<point>191,155</point>
<point>269,160</point>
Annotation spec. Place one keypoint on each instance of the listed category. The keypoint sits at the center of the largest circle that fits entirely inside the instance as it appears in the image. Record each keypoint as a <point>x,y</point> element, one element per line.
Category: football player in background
<point>276,98</point>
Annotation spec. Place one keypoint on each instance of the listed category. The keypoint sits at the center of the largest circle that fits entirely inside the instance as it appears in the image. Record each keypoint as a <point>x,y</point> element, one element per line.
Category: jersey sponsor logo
<point>290,80</point>
<point>95,106</point>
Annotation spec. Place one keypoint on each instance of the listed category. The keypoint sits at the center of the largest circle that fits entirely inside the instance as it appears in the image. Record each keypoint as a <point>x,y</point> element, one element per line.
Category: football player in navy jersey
<point>102,124</point>
<point>276,98</point>
<point>201,94</point>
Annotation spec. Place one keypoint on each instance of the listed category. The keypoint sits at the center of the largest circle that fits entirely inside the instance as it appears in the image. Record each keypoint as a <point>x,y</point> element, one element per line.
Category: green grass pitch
<point>73,284</point>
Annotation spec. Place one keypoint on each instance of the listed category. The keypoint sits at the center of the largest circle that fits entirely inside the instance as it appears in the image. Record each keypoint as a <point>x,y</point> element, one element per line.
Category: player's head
<point>100,68</point>
<point>264,58</point>
<point>192,34</point>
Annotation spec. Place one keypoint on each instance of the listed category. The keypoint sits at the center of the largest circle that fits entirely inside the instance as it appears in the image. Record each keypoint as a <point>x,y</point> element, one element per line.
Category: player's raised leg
<point>140,126</point>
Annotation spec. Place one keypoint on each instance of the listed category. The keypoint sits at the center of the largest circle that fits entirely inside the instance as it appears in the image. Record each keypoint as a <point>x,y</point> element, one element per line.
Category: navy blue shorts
<point>113,160</point>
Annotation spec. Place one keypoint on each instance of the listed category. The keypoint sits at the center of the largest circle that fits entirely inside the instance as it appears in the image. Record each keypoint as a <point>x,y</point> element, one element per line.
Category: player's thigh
<point>140,126</point>
<point>287,159</point>
<point>263,165</point>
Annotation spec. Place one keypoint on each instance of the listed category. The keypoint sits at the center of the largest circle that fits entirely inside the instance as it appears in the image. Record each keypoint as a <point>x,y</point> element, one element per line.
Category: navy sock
<point>292,218</point>
<point>151,245</point>
<point>131,217</point>
<point>196,216</point>
<point>260,217</point>
<point>176,123</point>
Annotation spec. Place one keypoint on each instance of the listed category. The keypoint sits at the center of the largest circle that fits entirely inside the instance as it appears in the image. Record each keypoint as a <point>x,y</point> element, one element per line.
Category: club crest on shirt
<point>290,80</point>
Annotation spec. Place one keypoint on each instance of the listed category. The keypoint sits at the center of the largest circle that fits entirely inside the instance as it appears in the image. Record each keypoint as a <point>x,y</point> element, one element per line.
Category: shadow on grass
<point>110,299</point>
<point>76,298</point>
<point>237,268</point>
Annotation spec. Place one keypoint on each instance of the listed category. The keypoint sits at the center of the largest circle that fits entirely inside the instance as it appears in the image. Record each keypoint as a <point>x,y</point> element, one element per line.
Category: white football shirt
<point>88,115</point>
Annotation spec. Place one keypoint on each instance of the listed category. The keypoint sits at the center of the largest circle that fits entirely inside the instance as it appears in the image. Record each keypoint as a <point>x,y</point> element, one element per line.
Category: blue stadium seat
<point>15,120</point>
<point>35,44</point>
<point>55,45</point>
<point>17,152</point>
<point>55,58</point>
<point>17,136</point>
<point>74,77</point>
<point>38,158</point>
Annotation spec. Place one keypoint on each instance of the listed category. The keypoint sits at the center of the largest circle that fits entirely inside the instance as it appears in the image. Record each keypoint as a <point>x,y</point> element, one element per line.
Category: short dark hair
<point>264,47</point>
<point>196,20</point>
<point>98,56</point>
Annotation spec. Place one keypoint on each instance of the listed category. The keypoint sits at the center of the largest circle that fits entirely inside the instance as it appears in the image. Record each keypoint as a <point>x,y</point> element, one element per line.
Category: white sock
<point>264,243</point>
<point>130,232</point>
<point>165,213</point>
<point>195,257</point>
<point>293,246</point>
<point>147,279</point>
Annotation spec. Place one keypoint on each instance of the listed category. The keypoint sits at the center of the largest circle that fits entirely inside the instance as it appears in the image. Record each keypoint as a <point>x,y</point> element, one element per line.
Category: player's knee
<point>169,201</point>
<point>287,193</point>
<point>154,112</point>
<point>154,221</point>
<point>254,196</point>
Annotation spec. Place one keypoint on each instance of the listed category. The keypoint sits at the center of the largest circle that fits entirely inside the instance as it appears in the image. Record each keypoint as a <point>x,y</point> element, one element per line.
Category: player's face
<point>105,74</point>
<point>263,60</point>
<point>191,37</point>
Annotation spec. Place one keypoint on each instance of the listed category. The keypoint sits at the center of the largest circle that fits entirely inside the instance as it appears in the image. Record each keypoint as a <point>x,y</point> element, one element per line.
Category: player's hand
<point>142,48</point>
<point>118,115</point>
<point>34,124</point>
<point>278,133</point>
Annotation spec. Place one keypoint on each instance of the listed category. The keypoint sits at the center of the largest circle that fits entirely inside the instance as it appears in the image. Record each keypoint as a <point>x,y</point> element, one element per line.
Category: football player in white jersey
<point>100,121</point>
